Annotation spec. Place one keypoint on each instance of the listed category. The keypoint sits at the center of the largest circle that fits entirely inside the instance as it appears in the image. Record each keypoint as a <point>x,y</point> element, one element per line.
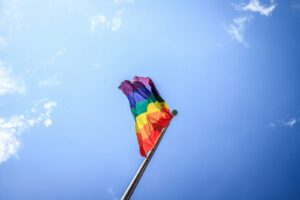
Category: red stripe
<point>157,122</point>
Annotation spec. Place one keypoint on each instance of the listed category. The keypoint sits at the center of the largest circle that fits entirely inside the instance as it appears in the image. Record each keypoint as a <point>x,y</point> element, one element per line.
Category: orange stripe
<point>142,119</point>
<point>157,119</point>
<point>148,133</point>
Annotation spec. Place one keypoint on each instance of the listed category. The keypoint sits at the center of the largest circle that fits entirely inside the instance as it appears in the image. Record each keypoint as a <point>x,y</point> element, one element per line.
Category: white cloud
<point>48,122</point>
<point>290,123</point>
<point>8,83</point>
<point>116,21</point>
<point>97,20</point>
<point>237,28</point>
<point>113,24</point>
<point>3,42</point>
<point>12,128</point>
<point>51,82</point>
<point>9,143</point>
<point>123,1</point>
<point>256,6</point>
<point>48,106</point>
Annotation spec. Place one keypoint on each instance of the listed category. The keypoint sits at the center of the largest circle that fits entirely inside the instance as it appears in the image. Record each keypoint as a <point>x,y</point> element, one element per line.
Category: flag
<point>150,111</point>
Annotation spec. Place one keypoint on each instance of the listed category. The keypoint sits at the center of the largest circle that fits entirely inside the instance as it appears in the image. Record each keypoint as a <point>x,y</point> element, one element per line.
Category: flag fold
<point>150,111</point>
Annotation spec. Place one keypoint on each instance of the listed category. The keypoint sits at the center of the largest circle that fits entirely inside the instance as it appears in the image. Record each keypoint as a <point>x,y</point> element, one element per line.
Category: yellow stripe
<point>142,119</point>
<point>144,134</point>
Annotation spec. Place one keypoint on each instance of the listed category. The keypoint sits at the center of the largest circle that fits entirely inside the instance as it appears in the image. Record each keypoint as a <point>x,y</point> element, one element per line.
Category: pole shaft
<point>127,194</point>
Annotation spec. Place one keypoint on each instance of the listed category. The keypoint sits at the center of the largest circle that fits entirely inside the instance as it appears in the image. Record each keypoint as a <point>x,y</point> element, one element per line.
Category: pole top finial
<point>174,112</point>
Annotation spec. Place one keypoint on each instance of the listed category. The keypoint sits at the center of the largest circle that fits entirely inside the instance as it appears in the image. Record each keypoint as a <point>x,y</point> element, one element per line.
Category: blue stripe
<point>139,94</point>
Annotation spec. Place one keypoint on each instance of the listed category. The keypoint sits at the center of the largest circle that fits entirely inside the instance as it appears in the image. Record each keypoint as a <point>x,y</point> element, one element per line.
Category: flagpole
<point>130,189</point>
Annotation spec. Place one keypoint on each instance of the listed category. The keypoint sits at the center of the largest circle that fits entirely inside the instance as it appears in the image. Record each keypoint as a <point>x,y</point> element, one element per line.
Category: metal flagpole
<point>127,194</point>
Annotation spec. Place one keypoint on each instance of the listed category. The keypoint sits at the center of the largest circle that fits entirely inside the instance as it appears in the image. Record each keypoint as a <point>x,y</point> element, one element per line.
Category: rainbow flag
<point>150,111</point>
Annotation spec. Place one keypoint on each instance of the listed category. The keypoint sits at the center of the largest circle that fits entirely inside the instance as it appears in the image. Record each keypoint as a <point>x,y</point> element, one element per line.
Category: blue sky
<point>230,68</point>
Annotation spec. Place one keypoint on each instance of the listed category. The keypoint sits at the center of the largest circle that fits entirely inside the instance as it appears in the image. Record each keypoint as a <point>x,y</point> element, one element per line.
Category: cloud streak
<point>8,83</point>
<point>99,20</point>
<point>12,128</point>
<point>237,27</point>
<point>256,6</point>
<point>50,82</point>
<point>288,123</point>
<point>96,21</point>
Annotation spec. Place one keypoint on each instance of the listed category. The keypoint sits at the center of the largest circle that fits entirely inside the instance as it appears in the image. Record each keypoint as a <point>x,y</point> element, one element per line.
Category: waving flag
<point>150,111</point>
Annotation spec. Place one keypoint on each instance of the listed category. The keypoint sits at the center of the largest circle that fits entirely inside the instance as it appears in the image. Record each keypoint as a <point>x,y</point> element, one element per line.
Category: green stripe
<point>141,107</point>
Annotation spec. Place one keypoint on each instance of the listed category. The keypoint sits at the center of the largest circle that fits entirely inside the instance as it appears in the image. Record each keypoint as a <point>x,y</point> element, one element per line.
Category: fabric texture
<point>150,111</point>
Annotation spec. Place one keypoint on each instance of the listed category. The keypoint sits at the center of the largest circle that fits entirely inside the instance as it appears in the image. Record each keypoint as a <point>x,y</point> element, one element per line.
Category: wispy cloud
<point>57,54</point>
<point>289,122</point>
<point>256,6</point>
<point>295,5</point>
<point>12,128</point>
<point>50,82</point>
<point>114,24</point>
<point>117,21</point>
<point>96,21</point>
<point>3,42</point>
<point>45,116</point>
<point>61,52</point>
<point>237,27</point>
<point>8,83</point>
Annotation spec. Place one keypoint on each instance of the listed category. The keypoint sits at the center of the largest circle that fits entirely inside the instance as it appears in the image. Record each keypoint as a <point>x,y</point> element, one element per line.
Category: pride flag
<point>150,111</point>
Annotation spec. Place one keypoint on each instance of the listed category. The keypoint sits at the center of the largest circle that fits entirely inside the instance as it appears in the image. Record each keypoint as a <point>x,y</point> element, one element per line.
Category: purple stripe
<point>134,98</point>
<point>144,80</point>
<point>140,94</point>
<point>135,92</point>
<point>127,87</point>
